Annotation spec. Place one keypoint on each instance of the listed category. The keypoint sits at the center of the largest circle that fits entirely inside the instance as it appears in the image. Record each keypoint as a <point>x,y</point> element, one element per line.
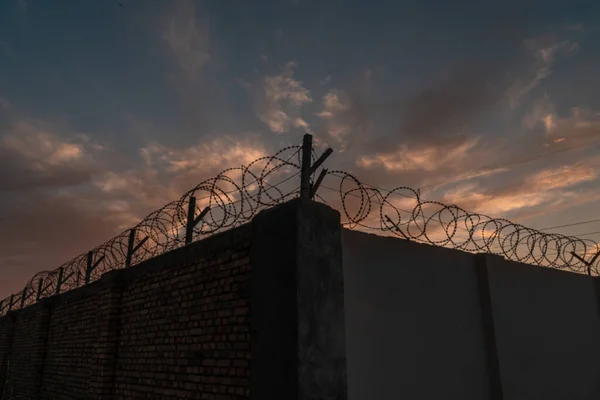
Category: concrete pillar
<point>102,375</point>
<point>487,317</point>
<point>297,304</point>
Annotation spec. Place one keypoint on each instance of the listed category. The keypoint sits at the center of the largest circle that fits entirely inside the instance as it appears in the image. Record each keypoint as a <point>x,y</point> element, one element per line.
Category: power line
<point>587,234</point>
<point>492,167</point>
<point>573,224</point>
<point>495,189</point>
<point>498,188</point>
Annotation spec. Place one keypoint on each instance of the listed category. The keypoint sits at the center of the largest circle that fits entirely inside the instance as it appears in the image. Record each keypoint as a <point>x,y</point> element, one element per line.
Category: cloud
<point>33,156</point>
<point>544,187</point>
<point>545,50</point>
<point>561,177</point>
<point>167,172</point>
<point>49,225</point>
<point>426,159</point>
<point>442,111</point>
<point>206,157</point>
<point>335,104</point>
<point>188,38</point>
<point>433,137</point>
<point>581,126</point>
<point>280,100</point>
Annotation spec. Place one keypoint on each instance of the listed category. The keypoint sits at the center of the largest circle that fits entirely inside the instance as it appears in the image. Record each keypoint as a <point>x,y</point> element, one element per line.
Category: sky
<point>109,111</point>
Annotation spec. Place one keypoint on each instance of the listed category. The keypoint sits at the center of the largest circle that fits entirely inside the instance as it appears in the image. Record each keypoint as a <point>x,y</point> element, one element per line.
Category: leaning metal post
<point>396,227</point>
<point>91,266</point>
<point>24,297</point>
<point>191,221</point>
<point>60,279</point>
<point>314,187</point>
<point>131,249</point>
<point>587,263</point>
<point>39,290</point>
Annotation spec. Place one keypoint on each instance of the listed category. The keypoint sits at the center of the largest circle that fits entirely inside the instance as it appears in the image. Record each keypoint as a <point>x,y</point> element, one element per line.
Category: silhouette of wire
<point>450,226</point>
<point>232,198</point>
<point>235,196</point>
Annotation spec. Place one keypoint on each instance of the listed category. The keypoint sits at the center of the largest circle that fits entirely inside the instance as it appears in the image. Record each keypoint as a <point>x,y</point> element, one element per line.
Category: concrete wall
<point>414,326</point>
<point>254,312</point>
<point>547,332</point>
<point>425,322</point>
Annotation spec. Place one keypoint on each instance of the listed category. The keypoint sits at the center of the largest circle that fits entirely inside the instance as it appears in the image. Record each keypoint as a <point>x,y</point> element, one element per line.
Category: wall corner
<point>297,304</point>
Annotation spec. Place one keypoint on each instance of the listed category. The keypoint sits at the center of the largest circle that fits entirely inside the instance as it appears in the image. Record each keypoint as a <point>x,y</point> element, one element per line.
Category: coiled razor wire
<point>230,199</point>
<point>235,196</point>
<point>402,212</point>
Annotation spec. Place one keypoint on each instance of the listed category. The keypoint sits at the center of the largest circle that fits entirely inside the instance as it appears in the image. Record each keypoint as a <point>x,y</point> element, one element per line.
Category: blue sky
<point>108,112</point>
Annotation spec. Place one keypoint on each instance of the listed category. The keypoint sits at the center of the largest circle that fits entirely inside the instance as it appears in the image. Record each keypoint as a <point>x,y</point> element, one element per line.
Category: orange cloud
<point>426,158</point>
<point>280,100</point>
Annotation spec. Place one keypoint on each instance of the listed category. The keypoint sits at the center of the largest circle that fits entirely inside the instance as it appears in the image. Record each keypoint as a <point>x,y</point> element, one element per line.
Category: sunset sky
<point>107,112</point>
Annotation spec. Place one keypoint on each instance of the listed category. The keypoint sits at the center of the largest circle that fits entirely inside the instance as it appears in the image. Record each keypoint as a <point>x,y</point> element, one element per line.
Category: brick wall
<point>180,326</point>
<point>185,331</point>
<point>176,326</point>
<point>6,333</point>
<point>71,334</point>
<point>28,351</point>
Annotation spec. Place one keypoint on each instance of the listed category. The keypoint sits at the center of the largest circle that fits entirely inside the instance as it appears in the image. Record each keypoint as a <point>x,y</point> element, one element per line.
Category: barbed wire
<point>235,196</point>
<point>230,199</point>
<point>402,212</point>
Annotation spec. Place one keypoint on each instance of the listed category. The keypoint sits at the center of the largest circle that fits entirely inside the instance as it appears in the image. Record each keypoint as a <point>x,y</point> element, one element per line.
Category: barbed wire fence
<point>230,199</point>
<point>403,213</point>
<point>236,195</point>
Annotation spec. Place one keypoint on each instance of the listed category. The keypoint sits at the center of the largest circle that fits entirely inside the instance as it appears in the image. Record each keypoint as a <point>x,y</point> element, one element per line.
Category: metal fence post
<point>189,227</point>
<point>305,167</point>
<point>88,269</point>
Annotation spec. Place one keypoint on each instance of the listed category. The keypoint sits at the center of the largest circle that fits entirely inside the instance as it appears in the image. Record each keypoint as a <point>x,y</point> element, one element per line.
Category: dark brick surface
<point>173,327</point>
<point>6,334</point>
<point>185,331</point>
<point>27,351</point>
<point>71,336</point>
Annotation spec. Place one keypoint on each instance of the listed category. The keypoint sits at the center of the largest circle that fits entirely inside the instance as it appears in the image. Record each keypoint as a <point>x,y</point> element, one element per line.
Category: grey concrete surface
<point>413,321</point>
<point>547,332</point>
